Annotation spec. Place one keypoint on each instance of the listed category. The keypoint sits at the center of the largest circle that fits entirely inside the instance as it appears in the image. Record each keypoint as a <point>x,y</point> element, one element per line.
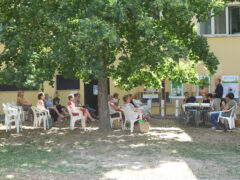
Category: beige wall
<point>227,49</point>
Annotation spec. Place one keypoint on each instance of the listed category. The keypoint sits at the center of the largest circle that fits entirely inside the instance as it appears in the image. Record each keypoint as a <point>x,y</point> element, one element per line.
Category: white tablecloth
<point>196,105</point>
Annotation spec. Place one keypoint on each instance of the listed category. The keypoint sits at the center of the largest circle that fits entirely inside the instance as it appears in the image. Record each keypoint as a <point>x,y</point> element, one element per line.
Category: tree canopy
<point>138,42</point>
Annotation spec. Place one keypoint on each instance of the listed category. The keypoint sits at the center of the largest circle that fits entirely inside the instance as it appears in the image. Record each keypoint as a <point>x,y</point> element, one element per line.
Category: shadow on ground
<point>170,150</point>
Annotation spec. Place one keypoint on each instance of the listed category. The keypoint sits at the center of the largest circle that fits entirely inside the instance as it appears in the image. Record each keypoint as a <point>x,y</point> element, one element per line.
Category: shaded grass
<point>89,155</point>
<point>25,157</point>
<point>31,156</point>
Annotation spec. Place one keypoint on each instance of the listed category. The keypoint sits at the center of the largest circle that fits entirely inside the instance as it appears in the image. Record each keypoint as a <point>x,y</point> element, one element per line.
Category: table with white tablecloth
<point>196,107</point>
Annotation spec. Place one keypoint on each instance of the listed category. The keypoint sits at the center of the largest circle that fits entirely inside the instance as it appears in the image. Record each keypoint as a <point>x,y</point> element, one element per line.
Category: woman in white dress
<point>127,104</point>
<point>41,106</point>
<point>139,105</point>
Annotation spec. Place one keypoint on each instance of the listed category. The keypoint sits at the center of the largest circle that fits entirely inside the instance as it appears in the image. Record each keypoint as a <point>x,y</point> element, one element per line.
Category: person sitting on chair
<point>139,105</point>
<point>41,106</point>
<point>211,100</point>
<point>205,99</point>
<point>188,98</point>
<point>129,105</point>
<point>86,114</point>
<point>78,104</point>
<point>203,113</point>
<point>56,102</point>
<point>25,105</point>
<point>131,99</point>
<point>114,109</point>
<point>116,99</point>
<point>49,105</point>
<point>230,103</point>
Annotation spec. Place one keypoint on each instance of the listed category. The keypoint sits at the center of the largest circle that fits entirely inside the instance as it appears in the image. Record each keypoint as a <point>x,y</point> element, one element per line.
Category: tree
<point>138,42</point>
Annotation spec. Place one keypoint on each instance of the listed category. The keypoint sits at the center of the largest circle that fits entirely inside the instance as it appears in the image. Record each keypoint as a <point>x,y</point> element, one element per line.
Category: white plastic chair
<point>131,116</point>
<point>115,118</point>
<point>24,113</point>
<point>231,119</point>
<point>11,115</point>
<point>73,119</point>
<point>21,114</point>
<point>39,116</point>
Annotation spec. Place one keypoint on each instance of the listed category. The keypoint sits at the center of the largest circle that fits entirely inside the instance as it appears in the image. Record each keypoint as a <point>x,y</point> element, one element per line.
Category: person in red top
<point>71,104</point>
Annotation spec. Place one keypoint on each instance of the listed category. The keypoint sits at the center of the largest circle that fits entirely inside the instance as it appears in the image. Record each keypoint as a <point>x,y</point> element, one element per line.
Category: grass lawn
<point>169,151</point>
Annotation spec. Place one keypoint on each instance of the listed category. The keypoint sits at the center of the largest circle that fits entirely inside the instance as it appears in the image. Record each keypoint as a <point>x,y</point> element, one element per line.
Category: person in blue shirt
<point>49,105</point>
<point>188,98</point>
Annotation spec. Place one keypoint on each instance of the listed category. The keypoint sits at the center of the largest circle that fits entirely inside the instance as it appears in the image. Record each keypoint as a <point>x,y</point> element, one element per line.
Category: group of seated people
<point>133,103</point>
<point>227,103</point>
<point>56,110</point>
<point>44,104</point>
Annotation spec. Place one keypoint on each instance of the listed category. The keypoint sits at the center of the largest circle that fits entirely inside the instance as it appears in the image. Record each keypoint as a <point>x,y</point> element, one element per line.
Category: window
<point>177,90</point>
<point>225,23</point>
<point>13,88</point>
<point>220,23</point>
<point>205,27</point>
<point>234,20</point>
<point>65,84</point>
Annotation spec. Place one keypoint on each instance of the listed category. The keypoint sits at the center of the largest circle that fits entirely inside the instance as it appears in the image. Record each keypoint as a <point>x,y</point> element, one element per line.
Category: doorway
<point>90,94</point>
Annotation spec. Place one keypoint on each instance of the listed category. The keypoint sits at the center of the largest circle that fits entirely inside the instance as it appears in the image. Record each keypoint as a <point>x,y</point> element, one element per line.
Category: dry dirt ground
<point>171,150</point>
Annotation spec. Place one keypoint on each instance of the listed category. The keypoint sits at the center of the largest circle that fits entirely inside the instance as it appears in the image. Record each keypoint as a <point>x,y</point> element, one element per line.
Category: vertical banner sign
<point>230,85</point>
<point>176,90</point>
<point>95,89</point>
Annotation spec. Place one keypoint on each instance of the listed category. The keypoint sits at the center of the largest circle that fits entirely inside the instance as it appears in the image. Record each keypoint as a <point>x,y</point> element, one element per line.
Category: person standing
<point>218,93</point>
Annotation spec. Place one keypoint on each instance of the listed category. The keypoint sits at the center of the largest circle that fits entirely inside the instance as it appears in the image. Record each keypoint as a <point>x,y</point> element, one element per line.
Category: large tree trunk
<point>103,110</point>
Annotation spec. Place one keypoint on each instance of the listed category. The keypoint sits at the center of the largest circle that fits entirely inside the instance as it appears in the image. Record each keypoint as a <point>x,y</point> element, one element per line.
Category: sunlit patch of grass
<point>204,150</point>
<point>219,154</point>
